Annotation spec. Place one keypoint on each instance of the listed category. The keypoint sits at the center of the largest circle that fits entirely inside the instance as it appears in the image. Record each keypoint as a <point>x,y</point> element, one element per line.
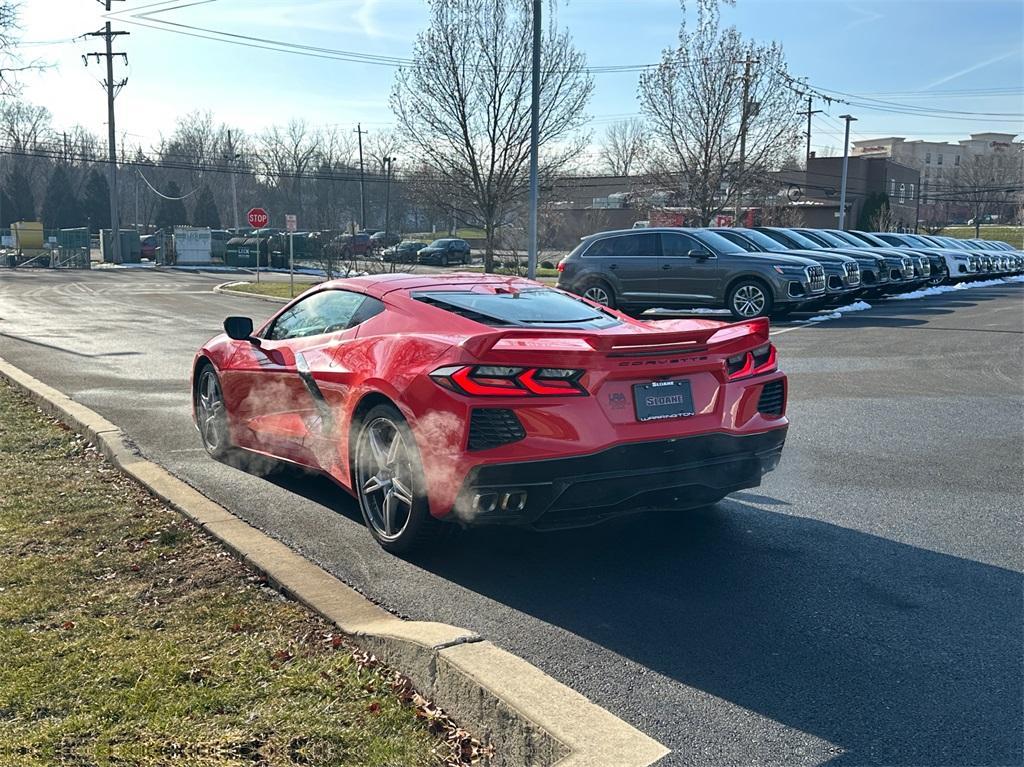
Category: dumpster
<point>28,235</point>
<point>242,252</point>
<point>131,246</point>
<point>73,248</point>
<point>192,245</point>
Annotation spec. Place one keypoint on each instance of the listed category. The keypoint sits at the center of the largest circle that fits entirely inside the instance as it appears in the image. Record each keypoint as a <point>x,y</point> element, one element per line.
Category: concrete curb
<point>528,716</point>
<point>225,288</point>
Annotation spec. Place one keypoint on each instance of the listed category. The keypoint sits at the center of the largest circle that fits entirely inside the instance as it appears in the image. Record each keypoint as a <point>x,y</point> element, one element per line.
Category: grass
<point>1011,234</point>
<point>129,637</point>
<point>277,289</point>
<point>463,234</point>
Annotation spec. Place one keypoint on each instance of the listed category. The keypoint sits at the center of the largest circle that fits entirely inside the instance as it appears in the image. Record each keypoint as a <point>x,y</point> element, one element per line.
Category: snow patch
<point>940,289</point>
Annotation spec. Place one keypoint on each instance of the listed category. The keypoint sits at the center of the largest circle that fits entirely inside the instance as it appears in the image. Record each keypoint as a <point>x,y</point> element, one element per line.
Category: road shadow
<point>896,654</point>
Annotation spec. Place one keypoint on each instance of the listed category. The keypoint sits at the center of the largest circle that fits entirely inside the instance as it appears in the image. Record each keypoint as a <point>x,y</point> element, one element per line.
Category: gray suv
<point>635,270</point>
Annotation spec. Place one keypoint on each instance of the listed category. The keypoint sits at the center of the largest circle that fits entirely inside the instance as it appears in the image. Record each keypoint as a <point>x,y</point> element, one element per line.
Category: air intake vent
<point>773,398</point>
<point>493,427</point>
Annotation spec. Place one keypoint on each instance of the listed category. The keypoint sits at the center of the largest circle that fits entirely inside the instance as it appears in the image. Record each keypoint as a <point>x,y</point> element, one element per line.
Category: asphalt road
<point>863,607</point>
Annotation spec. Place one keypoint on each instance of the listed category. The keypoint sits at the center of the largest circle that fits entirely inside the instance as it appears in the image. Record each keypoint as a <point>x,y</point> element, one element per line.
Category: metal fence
<point>45,248</point>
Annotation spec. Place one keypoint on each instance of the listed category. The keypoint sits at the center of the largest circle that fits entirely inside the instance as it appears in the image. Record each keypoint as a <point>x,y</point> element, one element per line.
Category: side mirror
<point>700,254</point>
<point>240,329</point>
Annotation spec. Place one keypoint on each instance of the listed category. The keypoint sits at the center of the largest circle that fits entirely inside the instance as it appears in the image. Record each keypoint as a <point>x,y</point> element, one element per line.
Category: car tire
<point>388,479</point>
<point>443,260</point>
<point>212,414</point>
<point>748,299</point>
<point>598,291</point>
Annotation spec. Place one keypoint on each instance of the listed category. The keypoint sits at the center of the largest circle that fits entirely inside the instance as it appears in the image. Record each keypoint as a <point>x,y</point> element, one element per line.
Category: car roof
<point>378,285</point>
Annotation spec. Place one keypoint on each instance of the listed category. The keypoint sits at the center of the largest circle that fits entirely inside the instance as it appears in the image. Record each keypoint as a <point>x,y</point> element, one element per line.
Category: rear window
<point>529,308</point>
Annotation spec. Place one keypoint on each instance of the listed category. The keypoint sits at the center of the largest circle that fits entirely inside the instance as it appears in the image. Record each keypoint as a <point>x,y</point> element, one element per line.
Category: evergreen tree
<point>205,212</point>
<point>171,213</point>
<point>874,202</point>
<point>6,210</point>
<point>96,201</point>
<point>61,209</point>
<point>20,204</point>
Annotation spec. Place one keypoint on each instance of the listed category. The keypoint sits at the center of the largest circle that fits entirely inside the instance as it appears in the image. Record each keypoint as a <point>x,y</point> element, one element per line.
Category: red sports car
<point>484,399</point>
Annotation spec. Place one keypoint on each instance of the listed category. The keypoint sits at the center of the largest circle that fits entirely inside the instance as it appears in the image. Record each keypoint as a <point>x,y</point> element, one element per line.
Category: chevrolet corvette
<point>479,399</point>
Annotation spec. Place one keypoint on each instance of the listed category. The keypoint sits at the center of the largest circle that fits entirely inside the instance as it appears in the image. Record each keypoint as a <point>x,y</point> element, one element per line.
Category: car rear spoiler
<point>617,344</point>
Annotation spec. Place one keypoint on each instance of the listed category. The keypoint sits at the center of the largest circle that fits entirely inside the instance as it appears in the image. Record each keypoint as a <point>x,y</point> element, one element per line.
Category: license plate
<point>662,399</point>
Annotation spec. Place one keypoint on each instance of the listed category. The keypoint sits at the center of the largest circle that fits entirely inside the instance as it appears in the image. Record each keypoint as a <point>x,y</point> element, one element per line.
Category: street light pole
<point>531,262</point>
<point>846,163</point>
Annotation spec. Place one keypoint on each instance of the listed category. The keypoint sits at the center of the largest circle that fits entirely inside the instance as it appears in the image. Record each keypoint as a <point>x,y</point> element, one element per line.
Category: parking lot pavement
<point>862,607</point>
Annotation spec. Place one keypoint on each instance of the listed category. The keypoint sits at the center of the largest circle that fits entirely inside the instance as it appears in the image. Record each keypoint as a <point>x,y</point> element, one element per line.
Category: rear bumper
<point>678,473</point>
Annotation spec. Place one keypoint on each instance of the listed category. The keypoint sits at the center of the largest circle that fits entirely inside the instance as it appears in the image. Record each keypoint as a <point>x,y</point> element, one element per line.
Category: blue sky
<point>917,49</point>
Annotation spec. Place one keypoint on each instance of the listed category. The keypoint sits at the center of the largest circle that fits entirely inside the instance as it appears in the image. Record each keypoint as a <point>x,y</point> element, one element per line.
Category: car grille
<point>773,398</point>
<point>815,279</point>
<point>852,274</point>
<point>493,427</point>
<point>926,267</point>
<point>908,269</point>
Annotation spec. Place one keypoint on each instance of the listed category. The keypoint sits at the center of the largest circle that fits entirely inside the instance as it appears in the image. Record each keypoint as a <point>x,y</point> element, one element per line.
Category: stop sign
<point>258,218</point>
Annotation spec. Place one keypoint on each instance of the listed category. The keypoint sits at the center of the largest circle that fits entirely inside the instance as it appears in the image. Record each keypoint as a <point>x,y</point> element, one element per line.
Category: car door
<point>691,280</point>
<point>281,407</point>
<point>632,262</point>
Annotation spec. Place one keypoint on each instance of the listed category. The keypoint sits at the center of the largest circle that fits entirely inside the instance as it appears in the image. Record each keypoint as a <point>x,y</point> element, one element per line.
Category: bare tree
<point>883,219</point>
<point>25,127</point>
<point>624,147</point>
<point>11,63</point>
<point>285,155</point>
<point>464,106</point>
<point>694,101</point>
<point>988,184</point>
<point>382,144</point>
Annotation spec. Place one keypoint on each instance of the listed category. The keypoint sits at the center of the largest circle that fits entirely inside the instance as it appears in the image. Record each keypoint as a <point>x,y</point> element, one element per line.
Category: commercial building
<point>939,162</point>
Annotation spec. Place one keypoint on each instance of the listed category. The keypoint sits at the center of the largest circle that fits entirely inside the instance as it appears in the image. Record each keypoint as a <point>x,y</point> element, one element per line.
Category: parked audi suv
<point>901,268</point>
<point>670,267</point>
<point>959,262</point>
<point>842,273</point>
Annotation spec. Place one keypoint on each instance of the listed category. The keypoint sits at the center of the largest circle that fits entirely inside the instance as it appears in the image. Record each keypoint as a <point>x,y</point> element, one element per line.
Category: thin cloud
<point>972,68</point>
<point>866,17</point>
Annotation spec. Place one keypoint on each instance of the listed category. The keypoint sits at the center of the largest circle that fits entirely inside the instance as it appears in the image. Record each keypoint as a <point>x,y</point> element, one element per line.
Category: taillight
<point>501,381</point>
<point>753,363</point>
<point>561,265</point>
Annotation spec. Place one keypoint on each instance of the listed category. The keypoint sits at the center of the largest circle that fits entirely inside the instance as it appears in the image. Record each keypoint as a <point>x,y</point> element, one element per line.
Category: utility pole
<point>744,115</point>
<point>809,112</point>
<point>362,178</point>
<point>388,165</point>
<point>112,88</point>
<point>846,162</point>
<point>531,258</point>
<point>233,159</point>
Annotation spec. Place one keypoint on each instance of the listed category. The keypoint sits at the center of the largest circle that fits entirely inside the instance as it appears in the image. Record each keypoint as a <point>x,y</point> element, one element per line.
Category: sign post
<point>291,224</point>
<point>258,219</point>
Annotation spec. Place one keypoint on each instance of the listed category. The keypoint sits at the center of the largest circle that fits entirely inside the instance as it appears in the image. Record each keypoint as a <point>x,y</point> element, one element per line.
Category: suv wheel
<point>749,299</point>
<point>600,292</point>
<point>444,259</point>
